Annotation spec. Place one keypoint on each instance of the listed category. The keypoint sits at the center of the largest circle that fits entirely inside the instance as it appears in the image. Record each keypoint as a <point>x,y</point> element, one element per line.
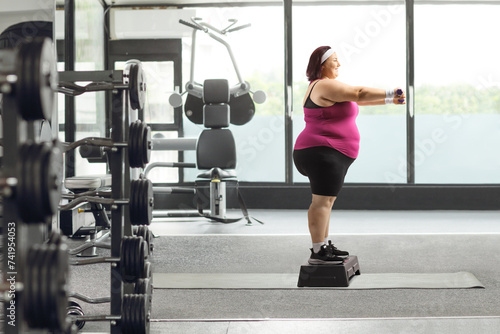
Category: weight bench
<point>91,185</point>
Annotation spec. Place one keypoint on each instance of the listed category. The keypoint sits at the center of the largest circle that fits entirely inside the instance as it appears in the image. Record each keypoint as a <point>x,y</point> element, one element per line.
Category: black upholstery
<point>216,148</point>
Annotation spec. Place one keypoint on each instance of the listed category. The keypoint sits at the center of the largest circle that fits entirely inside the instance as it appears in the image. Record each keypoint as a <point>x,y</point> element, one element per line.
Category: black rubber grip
<point>189,24</point>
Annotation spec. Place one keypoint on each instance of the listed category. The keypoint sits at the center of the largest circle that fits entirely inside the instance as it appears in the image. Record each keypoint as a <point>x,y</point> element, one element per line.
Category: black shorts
<point>324,166</point>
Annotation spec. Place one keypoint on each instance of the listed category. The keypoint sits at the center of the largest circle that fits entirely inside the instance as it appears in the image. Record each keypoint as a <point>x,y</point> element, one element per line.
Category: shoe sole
<point>342,256</point>
<point>316,261</point>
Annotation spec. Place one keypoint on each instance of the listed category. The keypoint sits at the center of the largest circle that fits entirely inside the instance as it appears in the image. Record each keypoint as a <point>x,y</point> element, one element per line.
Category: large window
<point>457,103</point>
<point>90,107</point>
<point>369,41</point>
<point>258,51</point>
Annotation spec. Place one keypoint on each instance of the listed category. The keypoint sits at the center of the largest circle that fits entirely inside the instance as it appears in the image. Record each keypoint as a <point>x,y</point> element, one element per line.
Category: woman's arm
<point>332,90</point>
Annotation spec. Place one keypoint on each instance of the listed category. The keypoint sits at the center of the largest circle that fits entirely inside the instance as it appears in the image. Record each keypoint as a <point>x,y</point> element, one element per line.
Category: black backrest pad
<point>216,148</point>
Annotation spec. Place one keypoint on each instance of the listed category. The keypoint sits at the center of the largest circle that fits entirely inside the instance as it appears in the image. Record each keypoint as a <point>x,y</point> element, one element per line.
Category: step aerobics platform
<point>329,275</point>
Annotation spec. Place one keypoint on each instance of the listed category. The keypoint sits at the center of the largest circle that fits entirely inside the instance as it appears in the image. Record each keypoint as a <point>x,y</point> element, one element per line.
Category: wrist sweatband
<point>389,100</point>
<point>389,93</point>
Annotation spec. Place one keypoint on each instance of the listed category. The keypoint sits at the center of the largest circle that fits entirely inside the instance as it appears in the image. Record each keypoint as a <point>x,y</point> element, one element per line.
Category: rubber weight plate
<point>146,145</point>
<point>37,79</point>
<point>141,202</point>
<point>39,190</point>
<point>132,258</point>
<point>137,86</point>
<point>139,143</point>
<point>135,314</point>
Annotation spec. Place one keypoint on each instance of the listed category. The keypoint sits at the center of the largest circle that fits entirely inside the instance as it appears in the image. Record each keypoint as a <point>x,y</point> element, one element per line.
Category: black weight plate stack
<point>31,304</point>
<point>133,137</point>
<point>37,77</point>
<point>144,286</point>
<point>45,286</point>
<point>39,190</point>
<point>132,258</point>
<point>139,144</point>
<point>141,202</point>
<point>135,314</point>
<point>58,286</point>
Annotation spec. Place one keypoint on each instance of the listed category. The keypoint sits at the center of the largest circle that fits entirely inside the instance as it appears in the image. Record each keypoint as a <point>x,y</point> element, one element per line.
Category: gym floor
<point>408,241</point>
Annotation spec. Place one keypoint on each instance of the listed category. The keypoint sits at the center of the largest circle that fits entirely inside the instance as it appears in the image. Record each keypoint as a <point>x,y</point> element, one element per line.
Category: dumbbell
<point>134,80</point>
<point>139,144</point>
<point>29,73</point>
<point>45,295</point>
<point>37,188</point>
<point>134,318</point>
<point>140,203</point>
<point>132,262</point>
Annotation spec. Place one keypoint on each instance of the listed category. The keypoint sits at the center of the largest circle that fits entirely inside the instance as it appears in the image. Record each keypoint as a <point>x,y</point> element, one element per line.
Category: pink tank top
<point>333,126</point>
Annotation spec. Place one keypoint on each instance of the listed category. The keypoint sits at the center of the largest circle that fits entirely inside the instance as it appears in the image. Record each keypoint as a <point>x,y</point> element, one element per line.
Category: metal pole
<point>69,65</point>
<point>410,93</point>
<point>117,166</point>
<point>287,5</point>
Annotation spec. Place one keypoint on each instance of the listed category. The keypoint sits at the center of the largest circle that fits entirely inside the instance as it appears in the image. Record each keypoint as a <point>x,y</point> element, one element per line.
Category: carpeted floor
<point>478,254</point>
<point>189,247</point>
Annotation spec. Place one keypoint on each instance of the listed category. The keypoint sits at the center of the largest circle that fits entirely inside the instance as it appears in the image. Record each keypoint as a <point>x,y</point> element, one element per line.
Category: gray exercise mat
<point>459,280</point>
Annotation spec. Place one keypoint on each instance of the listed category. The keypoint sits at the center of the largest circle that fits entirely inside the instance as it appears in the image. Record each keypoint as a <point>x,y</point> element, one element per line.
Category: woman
<point>329,144</point>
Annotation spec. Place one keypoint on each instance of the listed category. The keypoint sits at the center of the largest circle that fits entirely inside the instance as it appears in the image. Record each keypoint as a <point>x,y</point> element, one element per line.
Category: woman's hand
<point>399,96</point>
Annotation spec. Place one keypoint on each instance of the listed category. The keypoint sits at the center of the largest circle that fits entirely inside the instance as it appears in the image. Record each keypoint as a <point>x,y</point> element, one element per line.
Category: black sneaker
<point>337,252</point>
<point>324,256</point>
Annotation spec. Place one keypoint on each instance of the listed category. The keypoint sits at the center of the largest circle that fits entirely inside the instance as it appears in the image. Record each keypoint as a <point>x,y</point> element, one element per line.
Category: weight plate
<point>149,201</point>
<point>29,282</point>
<point>141,257</point>
<point>146,145</point>
<point>135,314</point>
<point>131,139</point>
<point>131,258</point>
<point>147,271</point>
<point>48,286</point>
<point>24,193</point>
<point>147,235</point>
<point>58,286</point>
<point>52,170</point>
<point>138,145</point>
<point>40,181</point>
<point>137,86</point>
<point>133,202</point>
<point>141,202</point>
<point>37,78</point>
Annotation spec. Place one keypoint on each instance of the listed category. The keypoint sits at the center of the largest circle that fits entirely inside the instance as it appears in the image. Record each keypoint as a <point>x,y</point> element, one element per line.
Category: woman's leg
<point>319,217</point>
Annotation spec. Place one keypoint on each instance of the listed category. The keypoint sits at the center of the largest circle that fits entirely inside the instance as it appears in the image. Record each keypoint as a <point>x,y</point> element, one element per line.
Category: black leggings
<point>324,166</point>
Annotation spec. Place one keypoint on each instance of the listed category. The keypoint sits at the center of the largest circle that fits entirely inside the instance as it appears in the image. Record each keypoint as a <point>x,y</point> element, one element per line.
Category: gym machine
<point>216,105</point>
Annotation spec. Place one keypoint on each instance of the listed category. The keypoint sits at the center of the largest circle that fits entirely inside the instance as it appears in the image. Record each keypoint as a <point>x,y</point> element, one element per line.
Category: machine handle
<point>239,27</point>
<point>189,24</point>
